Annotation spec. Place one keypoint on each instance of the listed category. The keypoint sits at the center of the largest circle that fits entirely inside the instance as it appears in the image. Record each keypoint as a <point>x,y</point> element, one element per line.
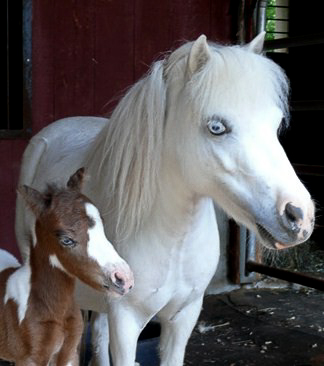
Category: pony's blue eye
<point>216,127</point>
<point>67,242</point>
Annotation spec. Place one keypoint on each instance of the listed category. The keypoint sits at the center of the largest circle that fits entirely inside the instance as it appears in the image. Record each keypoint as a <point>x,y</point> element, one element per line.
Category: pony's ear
<point>256,45</point>
<point>76,180</point>
<point>199,54</point>
<point>34,199</point>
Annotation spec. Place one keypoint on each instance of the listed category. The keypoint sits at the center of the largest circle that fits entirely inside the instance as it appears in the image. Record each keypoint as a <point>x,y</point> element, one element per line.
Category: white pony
<point>202,125</point>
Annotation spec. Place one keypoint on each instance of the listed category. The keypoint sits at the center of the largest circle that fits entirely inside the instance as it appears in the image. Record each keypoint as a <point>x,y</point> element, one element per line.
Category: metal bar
<point>261,16</point>
<point>281,20</point>
<point>278,6</point>
<point>234,252</point>
<point>304,169</point>
<point>306,40</point>
<point>296,277</point>
<point>251,253</point>
<point>307,105</point>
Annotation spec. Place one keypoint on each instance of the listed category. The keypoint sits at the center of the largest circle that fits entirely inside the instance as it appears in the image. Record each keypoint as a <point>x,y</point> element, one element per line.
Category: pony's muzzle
<point>292,218</point>
<point>298,222</point>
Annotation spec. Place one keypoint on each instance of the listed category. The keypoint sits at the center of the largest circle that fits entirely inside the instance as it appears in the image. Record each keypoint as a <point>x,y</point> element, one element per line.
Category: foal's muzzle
<point>119,282</point>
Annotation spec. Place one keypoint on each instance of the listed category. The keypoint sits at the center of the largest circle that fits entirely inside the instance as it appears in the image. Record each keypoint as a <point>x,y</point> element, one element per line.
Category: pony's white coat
<point>7,260</point>
<point>155,168</point>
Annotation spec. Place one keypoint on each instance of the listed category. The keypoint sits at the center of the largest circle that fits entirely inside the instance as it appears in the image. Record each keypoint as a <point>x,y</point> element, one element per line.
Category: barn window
<point>277,19</point>
<point>17,17</point>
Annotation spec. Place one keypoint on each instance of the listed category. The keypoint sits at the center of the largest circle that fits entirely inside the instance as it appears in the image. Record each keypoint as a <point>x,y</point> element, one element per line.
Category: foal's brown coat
<point>52,324</point>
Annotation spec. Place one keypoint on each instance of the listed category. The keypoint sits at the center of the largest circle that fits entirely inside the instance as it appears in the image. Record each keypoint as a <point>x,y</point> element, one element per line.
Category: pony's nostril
<point>293,213</point>
<point>292,216</point>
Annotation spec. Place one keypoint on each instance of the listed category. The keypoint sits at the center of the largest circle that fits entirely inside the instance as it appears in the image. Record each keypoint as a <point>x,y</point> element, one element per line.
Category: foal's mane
<point>65,194</point>
<point>127,157</point>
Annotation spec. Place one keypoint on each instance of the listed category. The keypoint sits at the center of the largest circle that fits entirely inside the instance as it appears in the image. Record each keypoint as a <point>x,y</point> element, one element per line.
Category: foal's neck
<point>49,283</point>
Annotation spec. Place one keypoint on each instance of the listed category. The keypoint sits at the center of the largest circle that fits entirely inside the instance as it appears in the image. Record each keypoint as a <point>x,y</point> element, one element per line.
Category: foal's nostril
<point>118,280</point>
<point>121,281</point>
<point>291,216</point>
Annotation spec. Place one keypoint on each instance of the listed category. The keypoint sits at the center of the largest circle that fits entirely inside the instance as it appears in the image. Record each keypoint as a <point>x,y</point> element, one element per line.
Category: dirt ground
<point>260,327</point>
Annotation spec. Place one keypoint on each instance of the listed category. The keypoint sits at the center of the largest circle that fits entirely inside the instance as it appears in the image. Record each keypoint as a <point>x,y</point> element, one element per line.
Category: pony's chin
<point>275,245</point>
<point>269,241</point>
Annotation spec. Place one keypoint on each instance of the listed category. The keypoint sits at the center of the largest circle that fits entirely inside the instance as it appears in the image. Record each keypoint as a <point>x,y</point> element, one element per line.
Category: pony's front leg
<point>125,326</point>
<point>175,332</point>
<point>99,339</point>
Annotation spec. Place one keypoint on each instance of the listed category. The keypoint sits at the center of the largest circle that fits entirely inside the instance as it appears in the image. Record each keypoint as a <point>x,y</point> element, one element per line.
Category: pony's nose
<point>292,218</point>
<point>121,283</point>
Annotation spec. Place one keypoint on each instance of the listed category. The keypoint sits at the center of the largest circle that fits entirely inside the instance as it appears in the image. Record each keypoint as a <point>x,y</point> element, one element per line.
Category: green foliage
<point>271,22</point>
<point>271,12</point>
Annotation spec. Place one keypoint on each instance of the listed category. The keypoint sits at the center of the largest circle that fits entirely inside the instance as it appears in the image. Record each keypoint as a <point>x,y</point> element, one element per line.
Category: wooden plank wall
<point>85,53</point>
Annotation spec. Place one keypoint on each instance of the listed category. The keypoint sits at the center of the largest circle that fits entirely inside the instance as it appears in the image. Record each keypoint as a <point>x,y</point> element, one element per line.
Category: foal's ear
<point>257,43</point>
<point>76,180</point>
<point>34,199</point>
<point>199,55</point>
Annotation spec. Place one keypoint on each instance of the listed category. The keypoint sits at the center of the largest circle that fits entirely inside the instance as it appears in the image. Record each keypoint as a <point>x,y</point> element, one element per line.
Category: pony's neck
<point>177,207</point>
<point>49,283</point>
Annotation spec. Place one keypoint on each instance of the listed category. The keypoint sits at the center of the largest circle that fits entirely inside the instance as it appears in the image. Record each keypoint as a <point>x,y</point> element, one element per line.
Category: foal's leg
<point>124,328</point>
<point>175,332</point>
<point>27,362</point>
<point>68,354</point>
<point>99,339</point>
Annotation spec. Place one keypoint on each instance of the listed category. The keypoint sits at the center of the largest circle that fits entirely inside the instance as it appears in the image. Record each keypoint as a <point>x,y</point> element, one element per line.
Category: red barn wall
<point>85,53</point>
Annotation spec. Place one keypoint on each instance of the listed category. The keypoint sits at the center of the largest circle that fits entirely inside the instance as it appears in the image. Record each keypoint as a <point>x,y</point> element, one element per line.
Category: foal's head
<point>69,229</point>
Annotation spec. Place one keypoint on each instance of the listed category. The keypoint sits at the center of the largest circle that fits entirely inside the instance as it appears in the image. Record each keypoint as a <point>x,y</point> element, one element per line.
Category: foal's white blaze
<point>18,289</point>
<point>99,248</point>
<point>55,262</point>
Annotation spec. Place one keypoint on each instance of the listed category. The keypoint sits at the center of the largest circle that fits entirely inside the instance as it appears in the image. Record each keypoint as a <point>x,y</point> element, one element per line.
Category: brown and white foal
<point>40,322</point>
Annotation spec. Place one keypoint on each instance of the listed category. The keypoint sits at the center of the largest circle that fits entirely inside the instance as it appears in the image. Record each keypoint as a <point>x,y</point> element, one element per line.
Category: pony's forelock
<point>249,73</point>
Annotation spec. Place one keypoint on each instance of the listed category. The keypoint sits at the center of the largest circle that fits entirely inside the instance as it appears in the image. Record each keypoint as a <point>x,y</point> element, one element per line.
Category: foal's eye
<point>67,242</point>
<point>216,127</point>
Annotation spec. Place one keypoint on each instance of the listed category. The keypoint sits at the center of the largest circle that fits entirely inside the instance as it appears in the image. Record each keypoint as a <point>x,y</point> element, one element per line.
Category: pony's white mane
<point>129,154</point>
<point>130,147</point>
